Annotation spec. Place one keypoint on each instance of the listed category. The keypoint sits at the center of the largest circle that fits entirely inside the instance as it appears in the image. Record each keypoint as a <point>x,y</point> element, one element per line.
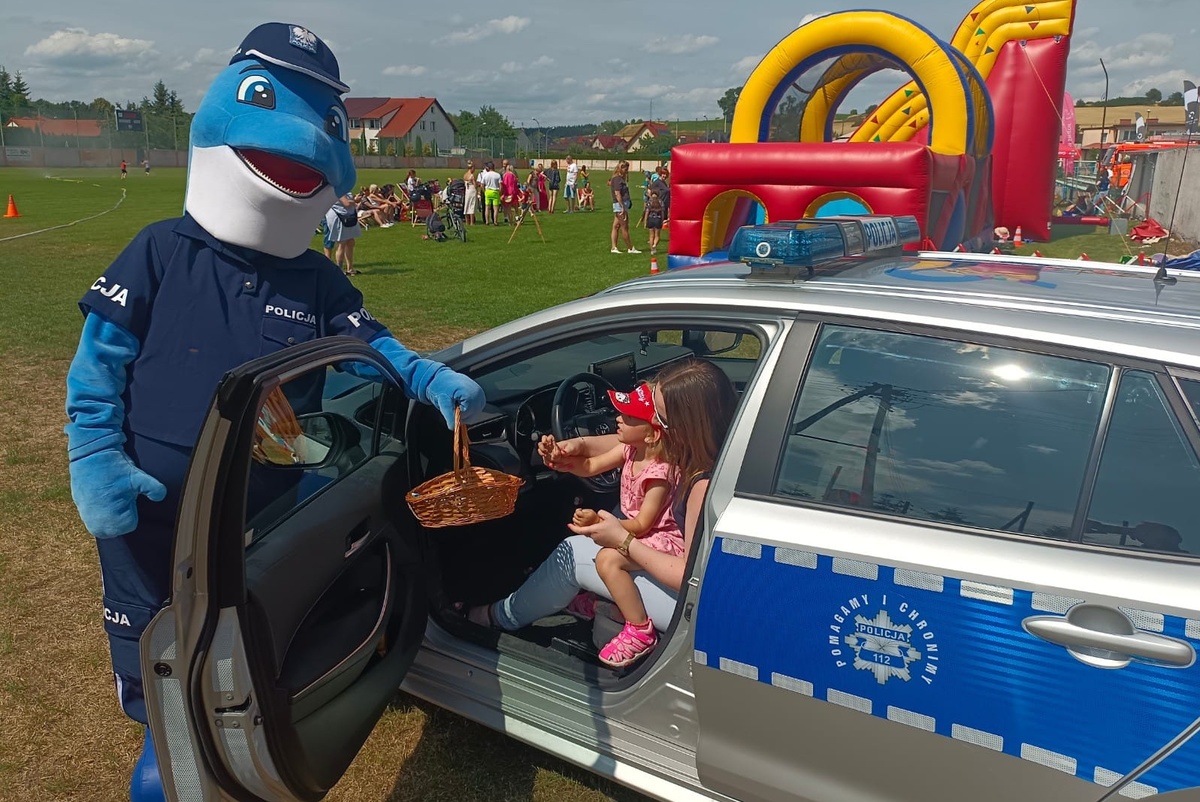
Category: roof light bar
<point>785,246</point>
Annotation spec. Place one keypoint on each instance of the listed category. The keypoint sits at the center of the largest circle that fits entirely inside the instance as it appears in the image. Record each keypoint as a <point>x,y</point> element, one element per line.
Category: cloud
<point>505,25</point>
<point>520,66</point>
<point>405,70</point>
<point>807,18</point>
<point>744,66</point>
<point>608,84</point>
<point>76,48</point>
<point>678,45</point>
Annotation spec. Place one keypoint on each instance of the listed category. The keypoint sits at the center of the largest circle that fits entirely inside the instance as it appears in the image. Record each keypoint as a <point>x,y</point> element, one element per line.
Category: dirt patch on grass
<point>64,736</point>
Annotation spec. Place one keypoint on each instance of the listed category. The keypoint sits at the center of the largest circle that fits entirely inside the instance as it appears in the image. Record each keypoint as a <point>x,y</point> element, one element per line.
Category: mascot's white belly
<point>226,196</point>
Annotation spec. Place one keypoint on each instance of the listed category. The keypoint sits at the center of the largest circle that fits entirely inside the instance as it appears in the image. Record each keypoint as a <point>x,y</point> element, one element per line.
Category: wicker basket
<point>466,495</point>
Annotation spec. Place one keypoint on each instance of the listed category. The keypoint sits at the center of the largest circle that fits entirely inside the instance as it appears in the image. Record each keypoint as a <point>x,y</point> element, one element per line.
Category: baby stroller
<point>421,201</point>
<point>455,197</point>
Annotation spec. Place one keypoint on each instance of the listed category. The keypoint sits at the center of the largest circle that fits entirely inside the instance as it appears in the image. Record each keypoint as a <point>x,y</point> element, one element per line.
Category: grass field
<point>64,737</point>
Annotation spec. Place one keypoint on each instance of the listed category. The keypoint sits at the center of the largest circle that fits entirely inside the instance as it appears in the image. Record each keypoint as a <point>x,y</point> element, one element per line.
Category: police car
<point>950,551</point>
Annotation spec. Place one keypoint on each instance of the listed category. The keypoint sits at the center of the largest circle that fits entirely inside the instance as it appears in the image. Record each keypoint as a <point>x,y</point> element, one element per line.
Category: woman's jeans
<point>571,567</point>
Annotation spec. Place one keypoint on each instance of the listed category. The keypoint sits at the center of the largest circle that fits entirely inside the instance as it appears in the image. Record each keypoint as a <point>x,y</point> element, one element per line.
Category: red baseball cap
<point>638,404</point>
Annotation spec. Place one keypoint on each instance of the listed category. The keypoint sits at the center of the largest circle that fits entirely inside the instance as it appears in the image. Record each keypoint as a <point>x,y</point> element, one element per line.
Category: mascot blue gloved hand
<point>192,297</point>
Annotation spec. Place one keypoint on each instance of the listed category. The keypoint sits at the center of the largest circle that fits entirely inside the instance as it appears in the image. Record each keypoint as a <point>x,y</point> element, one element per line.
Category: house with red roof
<point>49,127</point>
<point>378,122</point>
<point>638,134</point>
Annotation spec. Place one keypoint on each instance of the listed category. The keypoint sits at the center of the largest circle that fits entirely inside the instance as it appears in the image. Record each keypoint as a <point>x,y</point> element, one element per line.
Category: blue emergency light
<point>785,246</point>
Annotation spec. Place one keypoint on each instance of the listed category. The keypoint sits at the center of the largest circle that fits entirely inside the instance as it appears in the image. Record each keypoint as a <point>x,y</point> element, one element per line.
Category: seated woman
<point>695,402</point>
<point>1079,208</point>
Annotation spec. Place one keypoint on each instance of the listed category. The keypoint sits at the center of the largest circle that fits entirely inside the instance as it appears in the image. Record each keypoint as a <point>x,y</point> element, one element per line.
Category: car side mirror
<point>314,440</point>
<point>711,343</point>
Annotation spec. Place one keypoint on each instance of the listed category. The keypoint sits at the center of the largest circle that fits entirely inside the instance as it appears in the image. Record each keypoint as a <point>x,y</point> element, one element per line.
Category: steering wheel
<point>598,421</point>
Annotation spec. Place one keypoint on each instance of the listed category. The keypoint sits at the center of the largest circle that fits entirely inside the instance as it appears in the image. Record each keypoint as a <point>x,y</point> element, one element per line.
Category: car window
<point>1149,479</point>
<point>935,429</point>
<point>310,432</point>
<point>650,350</point>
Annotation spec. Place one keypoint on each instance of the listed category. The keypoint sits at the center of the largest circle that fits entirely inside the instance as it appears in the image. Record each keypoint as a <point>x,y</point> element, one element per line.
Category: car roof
<point>1132,309</point>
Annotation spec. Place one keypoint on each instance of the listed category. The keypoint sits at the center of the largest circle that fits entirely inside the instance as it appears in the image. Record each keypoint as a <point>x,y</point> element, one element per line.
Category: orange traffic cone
<point>1037,253</point>
<point>653,265</point>
<point>1018,240</point>
<point>995,250</point>
<point>959,248</point>
<point>1083,257</point>
<point>12,208</point>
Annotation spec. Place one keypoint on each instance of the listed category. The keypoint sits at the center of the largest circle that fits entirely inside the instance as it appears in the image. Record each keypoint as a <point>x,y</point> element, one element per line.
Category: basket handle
<point>462,446</point>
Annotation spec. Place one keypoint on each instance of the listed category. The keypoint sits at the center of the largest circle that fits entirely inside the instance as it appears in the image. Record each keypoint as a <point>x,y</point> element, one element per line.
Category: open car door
<point>298,598</point>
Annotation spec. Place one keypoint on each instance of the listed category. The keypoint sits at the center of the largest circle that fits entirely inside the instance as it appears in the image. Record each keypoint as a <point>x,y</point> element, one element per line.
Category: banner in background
<point>1139,127</point>
<point>17,154</point>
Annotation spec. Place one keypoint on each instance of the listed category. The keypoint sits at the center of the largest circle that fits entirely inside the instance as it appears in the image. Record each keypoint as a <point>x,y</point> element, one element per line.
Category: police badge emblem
<point>883,646</point>
<point>303,39</point>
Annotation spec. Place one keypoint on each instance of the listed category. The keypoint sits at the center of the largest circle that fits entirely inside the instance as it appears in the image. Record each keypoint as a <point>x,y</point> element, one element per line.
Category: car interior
<point>561,391</point>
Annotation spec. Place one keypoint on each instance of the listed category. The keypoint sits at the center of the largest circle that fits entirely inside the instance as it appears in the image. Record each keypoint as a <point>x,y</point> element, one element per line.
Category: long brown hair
<point>700,402</point>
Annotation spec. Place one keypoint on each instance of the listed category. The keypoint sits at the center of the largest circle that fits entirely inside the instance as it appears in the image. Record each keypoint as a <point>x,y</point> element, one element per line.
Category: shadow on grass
<point>487,766</point>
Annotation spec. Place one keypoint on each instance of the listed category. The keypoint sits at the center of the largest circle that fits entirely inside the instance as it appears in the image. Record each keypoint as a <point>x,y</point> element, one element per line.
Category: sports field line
<point>67,225</point>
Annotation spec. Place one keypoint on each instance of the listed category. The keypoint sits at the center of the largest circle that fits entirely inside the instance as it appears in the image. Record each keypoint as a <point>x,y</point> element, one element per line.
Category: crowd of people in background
<point>501,198</point>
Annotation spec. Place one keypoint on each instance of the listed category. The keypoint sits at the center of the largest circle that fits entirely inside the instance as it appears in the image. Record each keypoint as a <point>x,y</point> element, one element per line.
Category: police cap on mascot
<point>192,297</point>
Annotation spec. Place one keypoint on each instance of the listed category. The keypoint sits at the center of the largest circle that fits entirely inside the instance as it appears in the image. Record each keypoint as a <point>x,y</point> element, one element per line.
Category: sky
<point>556,62</point>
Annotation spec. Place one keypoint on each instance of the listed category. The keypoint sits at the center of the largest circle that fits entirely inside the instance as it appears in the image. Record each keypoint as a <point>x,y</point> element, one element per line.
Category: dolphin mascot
<point>192,297</point>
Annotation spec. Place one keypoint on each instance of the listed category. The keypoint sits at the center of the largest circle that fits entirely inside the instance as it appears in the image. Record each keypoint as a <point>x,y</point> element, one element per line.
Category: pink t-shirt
<point>664,534</point>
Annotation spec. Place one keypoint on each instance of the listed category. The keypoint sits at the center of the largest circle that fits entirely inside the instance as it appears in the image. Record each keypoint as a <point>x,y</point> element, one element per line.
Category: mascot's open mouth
<point>284,174</point>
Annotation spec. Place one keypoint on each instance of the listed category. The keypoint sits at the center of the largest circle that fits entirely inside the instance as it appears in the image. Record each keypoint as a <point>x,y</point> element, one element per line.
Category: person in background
<point>531,189</point>
<point>569,185</point>
<point>510,189</point>
<point>543,196</point>
<point>146,164</point>
<point>344,229</point>
<point>587,196</point>
<point>654,219</point>
<point>553,180</point>
<point>411,181</point>
<point>124,169</point>
<point>470,194</point>
<point>1103,185</point>
<point>491,182</point>
<point>618,187</point>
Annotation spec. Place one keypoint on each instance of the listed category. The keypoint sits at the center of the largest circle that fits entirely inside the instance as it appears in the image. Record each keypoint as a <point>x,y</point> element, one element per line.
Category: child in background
<point>648,486</point>
<point>655,214</point>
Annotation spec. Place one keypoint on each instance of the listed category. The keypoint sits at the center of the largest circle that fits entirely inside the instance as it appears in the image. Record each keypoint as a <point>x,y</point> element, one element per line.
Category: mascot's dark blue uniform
<point>190,298</point>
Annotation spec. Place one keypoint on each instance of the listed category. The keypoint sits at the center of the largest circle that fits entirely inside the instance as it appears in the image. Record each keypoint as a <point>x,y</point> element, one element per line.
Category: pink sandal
<point>631,644</point>
<point>583,606</point>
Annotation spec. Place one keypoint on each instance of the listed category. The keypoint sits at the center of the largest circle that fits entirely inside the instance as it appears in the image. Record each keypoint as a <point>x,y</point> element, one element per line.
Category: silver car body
<point>981,687</point>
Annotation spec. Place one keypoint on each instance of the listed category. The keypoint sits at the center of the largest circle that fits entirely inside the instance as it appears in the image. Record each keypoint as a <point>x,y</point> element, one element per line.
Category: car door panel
<point>964,667</point>
<point>847,653</point>
<point>284,641</point>
<point>288,571</point>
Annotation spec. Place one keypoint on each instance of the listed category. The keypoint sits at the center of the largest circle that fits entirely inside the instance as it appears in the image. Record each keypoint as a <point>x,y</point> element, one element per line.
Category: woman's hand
<point>608,533</point>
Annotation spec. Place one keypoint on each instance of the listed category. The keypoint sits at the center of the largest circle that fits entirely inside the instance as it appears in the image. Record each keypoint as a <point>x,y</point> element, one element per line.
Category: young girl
<point>654,219</point>
<point>587,198</point>
<point>693,406</point>
<point>647,496</point>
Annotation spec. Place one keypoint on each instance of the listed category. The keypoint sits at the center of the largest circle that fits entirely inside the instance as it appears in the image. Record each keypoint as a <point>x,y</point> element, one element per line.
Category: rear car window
<point>1149,479</point>
<point>936,429</point>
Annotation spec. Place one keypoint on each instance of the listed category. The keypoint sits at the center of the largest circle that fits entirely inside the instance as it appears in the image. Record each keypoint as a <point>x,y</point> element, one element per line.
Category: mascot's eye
<point>336,124</point>
<point>257,91</point>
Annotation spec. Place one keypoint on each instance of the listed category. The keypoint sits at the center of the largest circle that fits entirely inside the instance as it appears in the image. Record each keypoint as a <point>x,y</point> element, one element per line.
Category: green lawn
<point>64,738</point>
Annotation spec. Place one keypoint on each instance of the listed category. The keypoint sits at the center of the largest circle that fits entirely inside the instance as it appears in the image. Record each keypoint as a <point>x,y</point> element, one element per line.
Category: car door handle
<point>1104,637</point>
<point>358,537</point>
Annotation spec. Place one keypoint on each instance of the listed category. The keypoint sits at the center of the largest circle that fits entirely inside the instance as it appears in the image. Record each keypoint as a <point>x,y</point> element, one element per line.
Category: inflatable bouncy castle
<point>969,143</point>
